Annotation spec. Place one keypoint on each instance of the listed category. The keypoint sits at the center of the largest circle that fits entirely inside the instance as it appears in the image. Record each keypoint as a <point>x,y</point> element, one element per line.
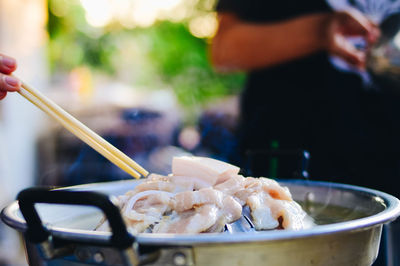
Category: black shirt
<point>351,132</point>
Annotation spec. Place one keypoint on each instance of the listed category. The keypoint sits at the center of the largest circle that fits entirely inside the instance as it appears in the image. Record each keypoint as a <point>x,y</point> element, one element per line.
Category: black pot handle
<point>37,233</point>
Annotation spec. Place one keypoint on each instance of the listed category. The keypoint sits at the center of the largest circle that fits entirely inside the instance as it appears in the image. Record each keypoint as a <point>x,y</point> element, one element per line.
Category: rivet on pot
<point>179,259</point>
<point>308,202</point>
<point>82,254</point>
<point>98,257</point>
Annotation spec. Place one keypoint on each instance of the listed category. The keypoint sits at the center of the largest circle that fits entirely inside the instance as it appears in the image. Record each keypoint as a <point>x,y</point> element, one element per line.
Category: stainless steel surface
<point>348,241</point>
<point>244,224</point>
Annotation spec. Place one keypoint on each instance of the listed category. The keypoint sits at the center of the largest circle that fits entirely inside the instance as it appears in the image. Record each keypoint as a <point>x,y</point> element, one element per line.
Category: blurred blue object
<point>141,133</point>
<point>218,138</point>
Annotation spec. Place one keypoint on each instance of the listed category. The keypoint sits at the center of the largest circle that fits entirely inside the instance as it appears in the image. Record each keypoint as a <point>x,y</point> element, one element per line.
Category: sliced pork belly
<point>164,183</point>
<point>146,208</point>
<point>209,170</point>
<point>191,221</point>
<point>231,185</point>
<point>231,209</point>
<point>195,182</point>
<point>208,217</point>
<point>294,217</point>
<point>202,195</point>
<point>275,190</point>
<point>154,182</point>
<point>261,212</point>
<point>270,213</point>
<point>268,185</point>
<point>189,199</point>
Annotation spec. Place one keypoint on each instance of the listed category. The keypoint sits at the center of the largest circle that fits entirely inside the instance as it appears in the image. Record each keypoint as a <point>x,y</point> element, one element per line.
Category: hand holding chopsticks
<point>83,132</point>
<point>8,83</point>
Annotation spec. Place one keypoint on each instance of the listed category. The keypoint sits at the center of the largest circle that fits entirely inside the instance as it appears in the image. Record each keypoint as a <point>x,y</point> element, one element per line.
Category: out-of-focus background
<point>135,71</point>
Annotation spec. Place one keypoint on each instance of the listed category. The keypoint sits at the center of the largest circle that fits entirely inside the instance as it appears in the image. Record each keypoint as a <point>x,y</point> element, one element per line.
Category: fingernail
<point>11,81</point>
<point>8,62</point>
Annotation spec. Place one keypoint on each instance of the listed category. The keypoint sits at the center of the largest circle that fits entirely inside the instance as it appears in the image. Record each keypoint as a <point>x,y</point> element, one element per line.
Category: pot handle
<point>37,233</point>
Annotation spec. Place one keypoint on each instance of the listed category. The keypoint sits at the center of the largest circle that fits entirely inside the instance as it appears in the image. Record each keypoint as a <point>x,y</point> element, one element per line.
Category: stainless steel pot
<point>350,218</point>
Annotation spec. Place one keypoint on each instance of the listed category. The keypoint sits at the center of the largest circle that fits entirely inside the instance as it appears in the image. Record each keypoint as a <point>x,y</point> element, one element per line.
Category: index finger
<point>7,64</point>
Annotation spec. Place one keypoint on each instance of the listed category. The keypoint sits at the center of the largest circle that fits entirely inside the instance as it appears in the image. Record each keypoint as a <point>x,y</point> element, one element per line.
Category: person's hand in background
<point>342,25</point>
<point>243,45</point>
<point>8,83</point>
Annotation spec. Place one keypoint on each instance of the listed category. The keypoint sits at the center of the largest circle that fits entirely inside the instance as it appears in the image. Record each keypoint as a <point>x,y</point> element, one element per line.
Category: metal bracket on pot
<point>51,246</point>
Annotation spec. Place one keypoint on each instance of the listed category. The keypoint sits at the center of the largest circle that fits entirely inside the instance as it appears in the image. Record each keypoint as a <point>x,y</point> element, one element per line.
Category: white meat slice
<point>250,185</point>
<point>231,209</point>
<point>224,176</point>
<point>204,168</point>
<point>164,183</point>
<point>191,221</point>
<point>294,217</point>
<point>195,182</point>
<point>188,204</point>
<point>231,185</point>
<point>270,186</point>
<point>275,190</point>
<point>139,226</point>
<point>189,199</point>
<point>262,216</point>
<point>230,212</point>
<point>154,182</point>
<point>146,208</point>
<point>270,213</point>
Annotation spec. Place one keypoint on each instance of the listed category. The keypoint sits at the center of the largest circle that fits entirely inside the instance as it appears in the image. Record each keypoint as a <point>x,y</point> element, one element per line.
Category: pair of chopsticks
<point>83,132</point>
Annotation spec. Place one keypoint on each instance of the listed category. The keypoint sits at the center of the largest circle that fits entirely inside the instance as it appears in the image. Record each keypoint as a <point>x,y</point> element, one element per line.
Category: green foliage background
<point>165,54</point>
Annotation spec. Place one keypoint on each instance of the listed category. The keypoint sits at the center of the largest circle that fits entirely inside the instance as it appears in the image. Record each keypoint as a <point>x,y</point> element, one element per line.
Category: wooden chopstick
<point>81,131</point>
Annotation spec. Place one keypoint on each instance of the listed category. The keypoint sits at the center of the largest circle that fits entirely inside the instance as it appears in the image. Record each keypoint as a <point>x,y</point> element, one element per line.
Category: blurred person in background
<point>296,97</point>
<point>8,83</point>
<point>294,94</point>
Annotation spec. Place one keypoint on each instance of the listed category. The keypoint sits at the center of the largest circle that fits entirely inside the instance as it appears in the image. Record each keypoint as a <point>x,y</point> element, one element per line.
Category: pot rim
<point>10,216</point>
